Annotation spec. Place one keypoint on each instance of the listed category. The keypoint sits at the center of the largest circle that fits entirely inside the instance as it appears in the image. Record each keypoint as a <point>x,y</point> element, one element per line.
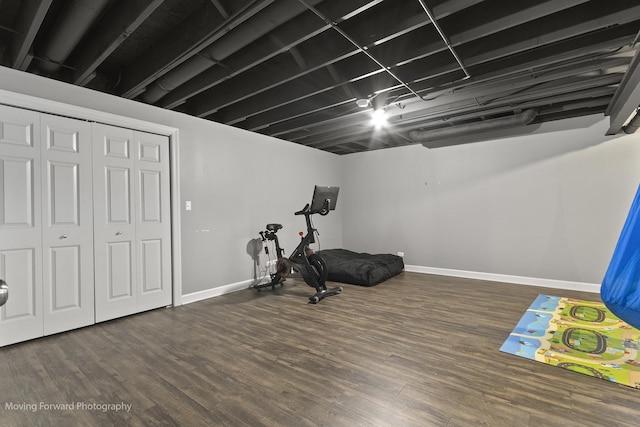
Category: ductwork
<point>633,124</point>
<point>73,23</point>
<point>428,136</point>
<point>257,21</point>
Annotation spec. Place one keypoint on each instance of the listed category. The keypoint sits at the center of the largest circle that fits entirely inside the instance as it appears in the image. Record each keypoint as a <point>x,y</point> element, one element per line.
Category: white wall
<point>237,182</point>
<point>545,205</point>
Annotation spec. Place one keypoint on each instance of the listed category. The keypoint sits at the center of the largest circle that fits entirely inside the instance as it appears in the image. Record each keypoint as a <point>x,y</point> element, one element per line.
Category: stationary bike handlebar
<point>304,210</point>
<point>307,209</point>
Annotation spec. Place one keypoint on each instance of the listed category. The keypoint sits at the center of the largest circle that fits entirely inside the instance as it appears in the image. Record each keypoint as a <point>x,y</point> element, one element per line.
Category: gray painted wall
<point>549,204</point>
<point>237,182</point>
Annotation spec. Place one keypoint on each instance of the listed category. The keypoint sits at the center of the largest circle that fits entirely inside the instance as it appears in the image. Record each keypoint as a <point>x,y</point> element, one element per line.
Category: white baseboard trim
<point>215,292</point>
<point>520,280</point>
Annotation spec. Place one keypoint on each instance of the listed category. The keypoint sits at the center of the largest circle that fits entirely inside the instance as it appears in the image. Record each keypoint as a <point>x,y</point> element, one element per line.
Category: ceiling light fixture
<point>379,119</point>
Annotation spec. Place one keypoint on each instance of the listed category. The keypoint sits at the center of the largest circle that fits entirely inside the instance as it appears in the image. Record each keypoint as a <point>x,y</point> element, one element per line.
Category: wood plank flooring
<point>417,350</point>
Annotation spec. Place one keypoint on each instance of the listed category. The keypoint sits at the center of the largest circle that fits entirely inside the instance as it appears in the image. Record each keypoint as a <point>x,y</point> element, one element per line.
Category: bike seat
<point>274,227</point>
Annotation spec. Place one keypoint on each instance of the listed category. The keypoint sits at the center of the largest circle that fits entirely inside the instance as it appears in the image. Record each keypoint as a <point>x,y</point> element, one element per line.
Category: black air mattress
<point>363,269</point>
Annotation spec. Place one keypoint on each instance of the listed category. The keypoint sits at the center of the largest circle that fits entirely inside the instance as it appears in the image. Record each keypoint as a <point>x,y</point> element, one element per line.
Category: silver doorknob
<point>4,292</point>
<point>119,233</point>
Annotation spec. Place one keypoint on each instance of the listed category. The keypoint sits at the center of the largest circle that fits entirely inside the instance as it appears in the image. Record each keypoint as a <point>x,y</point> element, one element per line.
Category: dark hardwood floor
<point>417,350</point>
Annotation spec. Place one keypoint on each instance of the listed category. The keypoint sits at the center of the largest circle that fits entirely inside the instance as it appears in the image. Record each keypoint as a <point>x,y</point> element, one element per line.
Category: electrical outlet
<point>401,254</point>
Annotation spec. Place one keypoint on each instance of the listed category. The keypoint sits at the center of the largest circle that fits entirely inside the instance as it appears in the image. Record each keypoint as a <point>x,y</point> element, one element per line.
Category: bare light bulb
<point>379,119</point>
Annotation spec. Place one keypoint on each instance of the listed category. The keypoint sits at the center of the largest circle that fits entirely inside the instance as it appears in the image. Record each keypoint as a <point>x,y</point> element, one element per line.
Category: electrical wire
<point>318,239</point>
<point>264,271</point>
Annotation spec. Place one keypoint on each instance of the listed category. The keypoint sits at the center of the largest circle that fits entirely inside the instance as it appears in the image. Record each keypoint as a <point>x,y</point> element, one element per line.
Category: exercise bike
<point>303,260</point>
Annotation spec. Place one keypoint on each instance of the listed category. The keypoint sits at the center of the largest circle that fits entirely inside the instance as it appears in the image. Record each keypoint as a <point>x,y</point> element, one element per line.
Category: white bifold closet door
<point>20,225</point>
<point>46,224</point>
<point>67,223</point>
<point>131,221</point>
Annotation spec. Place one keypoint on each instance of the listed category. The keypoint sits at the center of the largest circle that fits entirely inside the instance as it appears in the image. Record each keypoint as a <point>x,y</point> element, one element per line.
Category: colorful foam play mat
<point>582,336</point>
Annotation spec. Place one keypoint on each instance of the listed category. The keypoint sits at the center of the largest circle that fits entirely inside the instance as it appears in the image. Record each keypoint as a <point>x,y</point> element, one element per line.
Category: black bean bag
<point>363,269</point>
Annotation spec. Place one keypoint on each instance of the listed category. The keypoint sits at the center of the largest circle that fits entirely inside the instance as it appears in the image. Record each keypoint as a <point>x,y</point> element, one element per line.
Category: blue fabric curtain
<point>620,290</point>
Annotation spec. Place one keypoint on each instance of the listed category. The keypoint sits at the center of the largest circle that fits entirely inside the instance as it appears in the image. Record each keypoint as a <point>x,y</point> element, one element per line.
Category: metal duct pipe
<point>71,25</point>
<point>425,137</point>
<point>633,124</point>
<point>259,19</point>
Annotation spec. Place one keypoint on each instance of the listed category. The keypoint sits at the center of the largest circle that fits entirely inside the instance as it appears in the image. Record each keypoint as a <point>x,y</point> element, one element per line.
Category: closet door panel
<point>119,276</point>
<point>21,318</point>
<point>67,224</point>
<point>153,227</point>
<point>114,228</point>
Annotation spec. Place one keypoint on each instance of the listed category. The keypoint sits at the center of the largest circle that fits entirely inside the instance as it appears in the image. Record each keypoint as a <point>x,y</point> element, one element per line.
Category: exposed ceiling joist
<point>108,35</point>
<point>28,22</point>
<point>626,100</point>
<point>199,29</point>
<point>294,69</point>
<point>276,97</point>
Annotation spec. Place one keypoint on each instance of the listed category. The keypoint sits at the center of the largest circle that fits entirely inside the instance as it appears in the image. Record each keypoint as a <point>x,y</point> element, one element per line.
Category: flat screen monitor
<point>322,193</point>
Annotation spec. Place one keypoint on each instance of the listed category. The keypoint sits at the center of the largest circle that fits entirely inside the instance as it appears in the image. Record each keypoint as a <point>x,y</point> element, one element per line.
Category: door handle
<point>64,236</point>
<point>4,292</point>
<point>119,233</point>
